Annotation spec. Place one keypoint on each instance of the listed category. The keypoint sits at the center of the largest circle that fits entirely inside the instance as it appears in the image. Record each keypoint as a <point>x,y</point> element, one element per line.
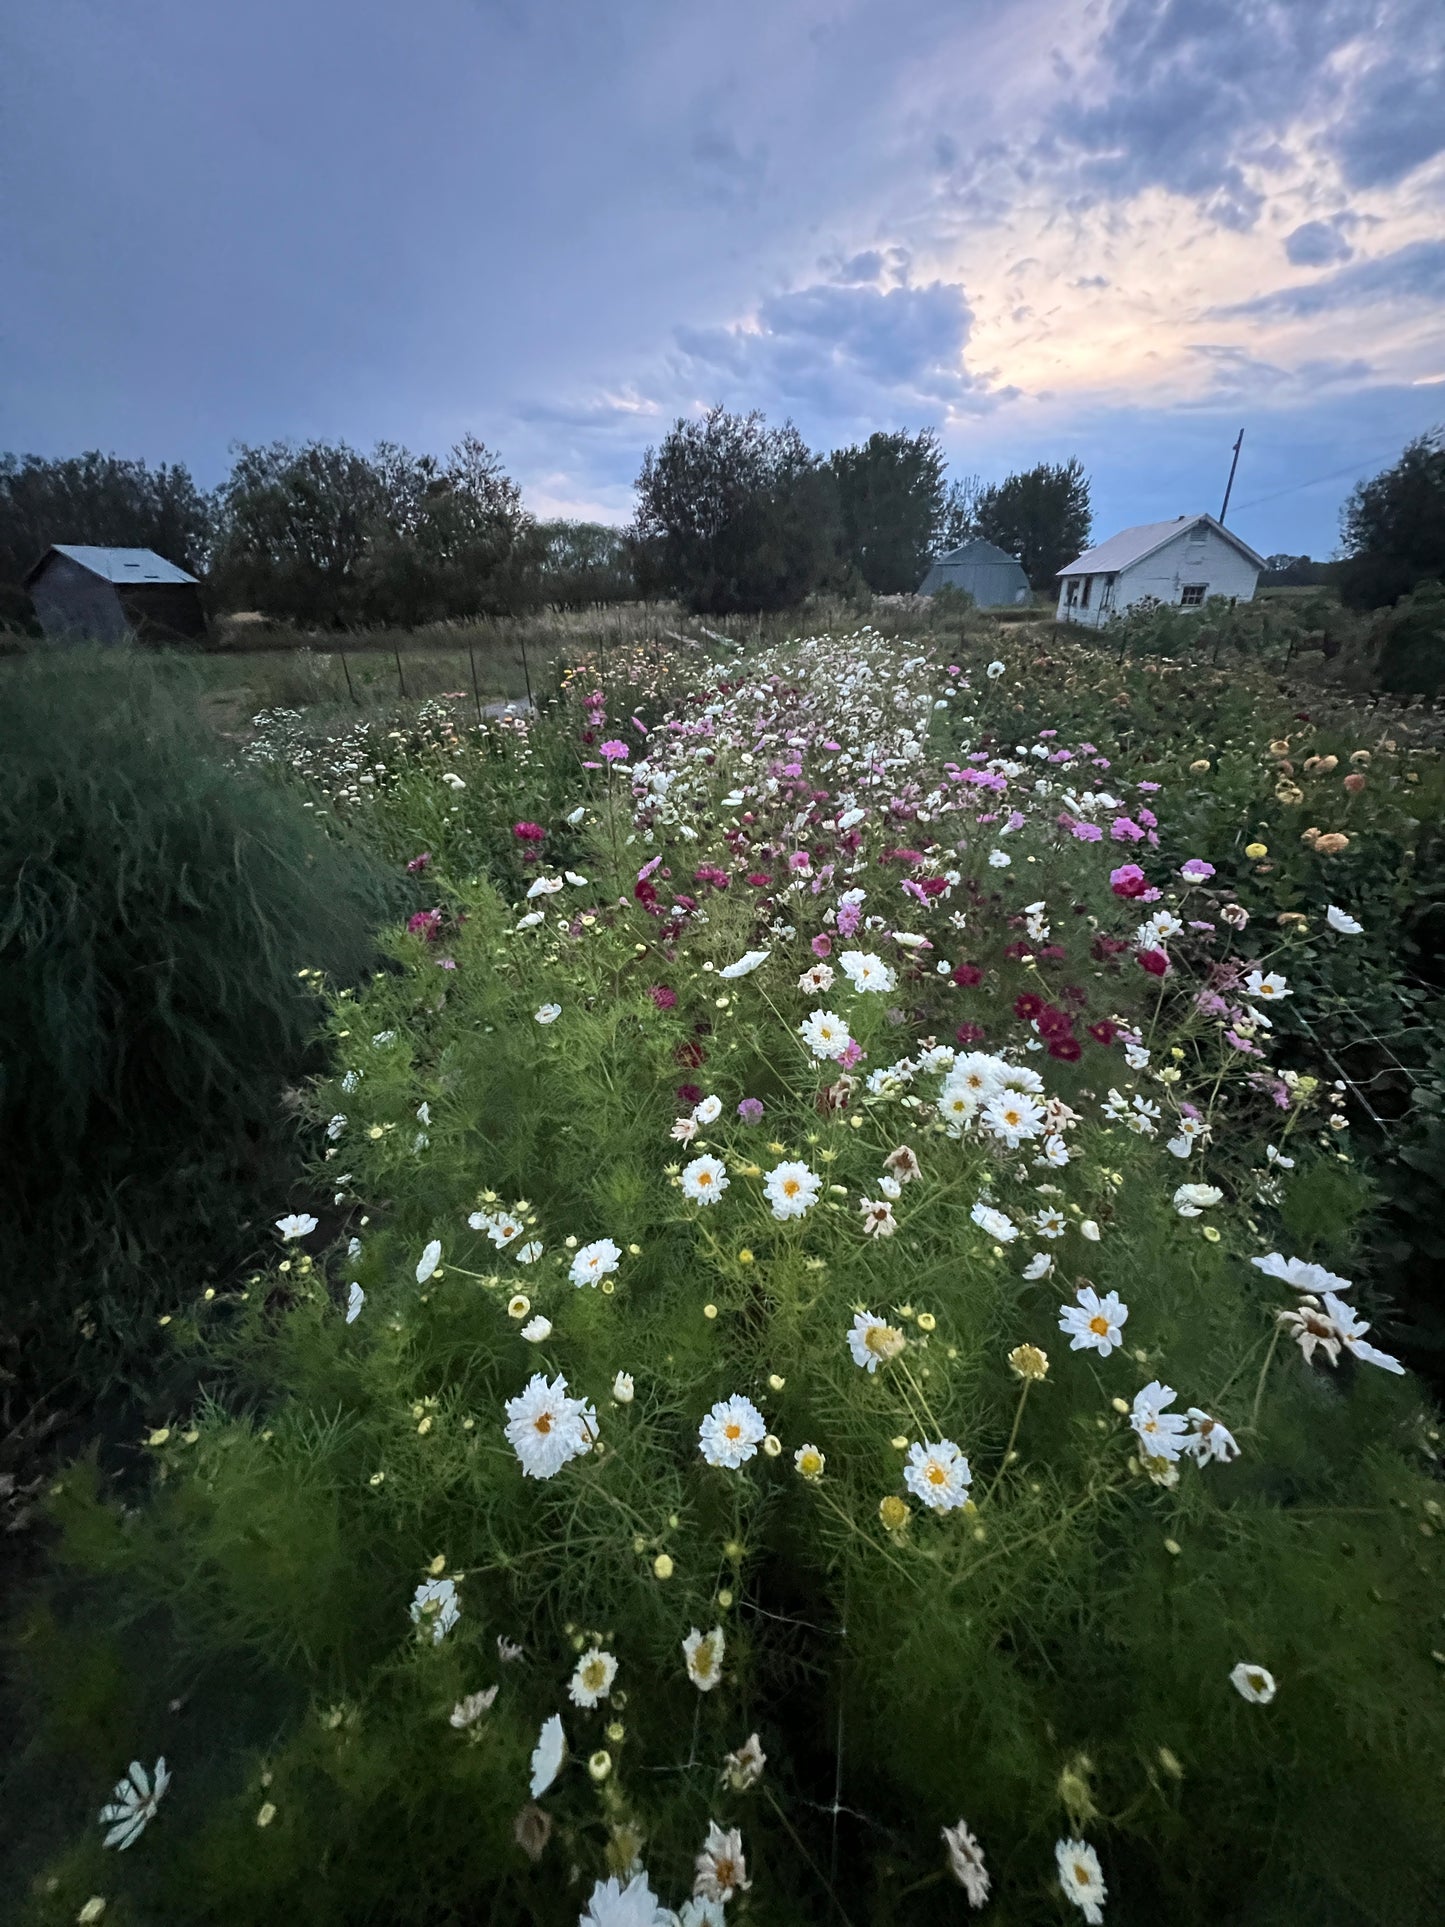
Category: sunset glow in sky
<point>1122,229</point>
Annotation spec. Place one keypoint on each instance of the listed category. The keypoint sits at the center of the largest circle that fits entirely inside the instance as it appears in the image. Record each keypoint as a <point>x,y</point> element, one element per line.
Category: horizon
<point>563,232</point>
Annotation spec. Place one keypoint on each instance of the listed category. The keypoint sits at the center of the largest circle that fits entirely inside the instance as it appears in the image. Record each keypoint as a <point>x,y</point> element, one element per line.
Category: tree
<point>101,499</point>
<point>1042,516</point>
<point>958,519</point>
<point>585,562</point>
<point>890,505</point>
<point>1393,526</point>
<point>741,517</point>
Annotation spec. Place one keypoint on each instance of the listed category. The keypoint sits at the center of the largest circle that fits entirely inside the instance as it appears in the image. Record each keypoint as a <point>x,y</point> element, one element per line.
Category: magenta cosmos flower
<point>615,751</point>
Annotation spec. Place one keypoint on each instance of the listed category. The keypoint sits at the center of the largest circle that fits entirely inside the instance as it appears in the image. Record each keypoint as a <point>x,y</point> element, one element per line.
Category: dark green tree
<point>737,516</point>
<point>890,506</point>
<point>959,517</point>
<point>1042,516</point>
<point>102,499</point>
<point>583,563</point>
<point>1393,527</point>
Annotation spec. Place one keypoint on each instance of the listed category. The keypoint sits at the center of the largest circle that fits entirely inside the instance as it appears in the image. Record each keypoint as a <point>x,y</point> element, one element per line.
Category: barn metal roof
<point>1132,545</point>
<point>115,565</point>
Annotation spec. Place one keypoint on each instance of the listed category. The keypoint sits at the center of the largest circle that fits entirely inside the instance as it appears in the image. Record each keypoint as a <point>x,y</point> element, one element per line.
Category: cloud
<point>1317,244</point>
<point>1394,114</point>
<point>725,173</point>
<point>1415,272</point>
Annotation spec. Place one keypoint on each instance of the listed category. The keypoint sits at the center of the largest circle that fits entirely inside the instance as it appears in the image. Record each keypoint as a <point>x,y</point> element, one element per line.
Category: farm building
<point>992,578</point>
<point>1182,562</point>
<point>84,594</point>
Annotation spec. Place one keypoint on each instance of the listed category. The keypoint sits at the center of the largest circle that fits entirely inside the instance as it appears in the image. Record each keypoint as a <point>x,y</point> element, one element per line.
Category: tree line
<point>732,516</point>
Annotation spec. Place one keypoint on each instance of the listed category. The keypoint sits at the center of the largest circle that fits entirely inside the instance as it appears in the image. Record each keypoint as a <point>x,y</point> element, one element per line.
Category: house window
<point>1191,596</point>
<point>1084,598</point>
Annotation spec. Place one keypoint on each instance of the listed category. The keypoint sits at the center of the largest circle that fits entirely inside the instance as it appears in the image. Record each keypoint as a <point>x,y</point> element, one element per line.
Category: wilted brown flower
<point>1333,843</point>
<point>532,1829</point>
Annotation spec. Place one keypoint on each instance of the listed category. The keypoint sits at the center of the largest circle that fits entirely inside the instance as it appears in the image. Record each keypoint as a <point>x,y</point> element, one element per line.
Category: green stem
<point>1013,1434</point>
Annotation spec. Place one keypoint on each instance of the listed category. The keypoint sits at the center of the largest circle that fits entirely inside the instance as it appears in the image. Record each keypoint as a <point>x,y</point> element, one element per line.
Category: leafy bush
<point>157,911</point>
<point>853,1065</point>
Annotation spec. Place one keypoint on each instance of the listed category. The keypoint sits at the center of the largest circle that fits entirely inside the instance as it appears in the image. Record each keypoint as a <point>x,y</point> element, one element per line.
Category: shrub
<point>157,910</point>
<point>354,1605</point>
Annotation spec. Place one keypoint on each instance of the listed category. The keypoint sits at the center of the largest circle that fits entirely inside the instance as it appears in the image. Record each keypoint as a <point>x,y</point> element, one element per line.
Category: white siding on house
<point>1197,557</point>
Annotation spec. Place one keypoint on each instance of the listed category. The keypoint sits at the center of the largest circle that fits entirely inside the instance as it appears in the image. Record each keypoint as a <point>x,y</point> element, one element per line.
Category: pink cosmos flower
<point>528,832</point>
<point>615,751</point>
<point>1128,881</point>
<point>1087,832</point>
<point>822,945</point>
<point>1124,829</point>
<point>751,1110</point>
<point>1196,870</point>
<point>422,862</point>
<point>664,996</point>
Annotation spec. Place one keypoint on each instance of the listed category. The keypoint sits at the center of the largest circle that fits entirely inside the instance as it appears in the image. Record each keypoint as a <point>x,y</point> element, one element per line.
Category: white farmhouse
<point>1181,562</point>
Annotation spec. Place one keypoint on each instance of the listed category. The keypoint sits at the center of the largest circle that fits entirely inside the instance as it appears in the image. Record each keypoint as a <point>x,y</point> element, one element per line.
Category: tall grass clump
<point>851,1392</point>
<point>157,911</point>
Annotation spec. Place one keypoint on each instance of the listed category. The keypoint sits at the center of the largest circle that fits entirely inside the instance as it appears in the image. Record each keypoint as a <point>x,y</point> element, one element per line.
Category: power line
<point>1315,481</point>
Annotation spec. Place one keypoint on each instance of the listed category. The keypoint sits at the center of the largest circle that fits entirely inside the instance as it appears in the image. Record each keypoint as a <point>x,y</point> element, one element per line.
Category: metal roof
<point>115,565</point>
<point>977,550</point>
<point>1132,545</point>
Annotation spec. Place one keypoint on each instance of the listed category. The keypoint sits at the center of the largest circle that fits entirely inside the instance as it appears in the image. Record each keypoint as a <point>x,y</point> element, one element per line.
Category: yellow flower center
<point>542,1423</point>
<point>732,1430</point>
<point>936,1474</point>
<point>1099,1324</point>
<point>791,1187</point>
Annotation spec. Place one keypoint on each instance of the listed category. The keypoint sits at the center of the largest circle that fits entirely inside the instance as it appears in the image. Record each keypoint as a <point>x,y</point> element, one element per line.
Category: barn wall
<point>75,606</point>
<point>164,609</point>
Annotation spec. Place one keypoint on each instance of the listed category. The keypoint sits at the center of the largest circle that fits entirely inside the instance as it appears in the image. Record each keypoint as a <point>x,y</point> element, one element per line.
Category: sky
<point>1116,229</point>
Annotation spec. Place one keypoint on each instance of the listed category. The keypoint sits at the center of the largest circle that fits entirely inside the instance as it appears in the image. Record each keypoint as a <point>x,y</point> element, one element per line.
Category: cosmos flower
<point>825,1035</point>
<point>743,1769</point>
<point>593,1677</point>
<point>536,1329</point>
<point>1161,1434</point>
<point>722,1869</point>
<point>300,1225</point>
<point>704,1180</point>
<point>1254,1683</point>
<point>703,1654</point>
<point>1266,987</point>
<point>965,1861</point>
<point>546,1428</point>
<point>878,1218</point>
<point>548,1755</point>
<point>1191,1199</point>
<point>732,1432</point>
<point>809,1462</point>
<point>547,1013</point>
<point>468,1711</point>
<point>745,964</point>
<point>791,1189</point>
<point>355,1299</point>
<point>866,972</point>
<point>1297,1272</point>
<point>873,1342</point>
<point>995,1223</point>
<point>435,1604</point>
<point>1082,1878</point>
<point>133,1804</point>
<point>938,1474</point>
<point>1342,921</point>
<point>635,1905</point>
<point>1094,1323</point>
<point>1209,1439</point>
<point>429,1260</point>
<point>623,1389</point>
<point>594,1261</point>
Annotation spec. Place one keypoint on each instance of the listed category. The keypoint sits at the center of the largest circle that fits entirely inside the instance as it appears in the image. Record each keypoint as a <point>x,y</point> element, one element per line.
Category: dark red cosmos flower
<point>425,924</point>
<point>966,975</point>
<point>663,996</point>
<point>1103,1032</point>
<point>1027,1006</point>
<point>1055,1023</point>
<point>689,1093</point>
<point>709,873</point>
<point>1072,994</point>
<point>1105,947</point>
<point>757,880</point>
<point>528,832</point>
<point>691,1055</point>
<point>645,893</point>
<point>970,1034</point>
<point>1154,961</point>
<point>1052,953</point>
<point>1067,1049</point>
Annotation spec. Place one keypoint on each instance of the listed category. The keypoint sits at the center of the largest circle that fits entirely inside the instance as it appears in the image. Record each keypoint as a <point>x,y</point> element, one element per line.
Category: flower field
<point>837,1364</point>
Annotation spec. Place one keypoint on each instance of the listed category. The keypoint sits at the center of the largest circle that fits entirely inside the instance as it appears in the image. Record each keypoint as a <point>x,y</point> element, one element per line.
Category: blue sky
<point>1122,229</point>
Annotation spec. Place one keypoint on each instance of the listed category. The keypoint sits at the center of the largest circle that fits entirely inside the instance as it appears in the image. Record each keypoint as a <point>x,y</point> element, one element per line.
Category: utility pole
<point>1230,483</point>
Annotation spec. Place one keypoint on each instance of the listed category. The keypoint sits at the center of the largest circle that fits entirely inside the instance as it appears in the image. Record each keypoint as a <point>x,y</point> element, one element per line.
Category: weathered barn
<point>993,579</point>
<point>1182,562</point>
<point>86,594</point>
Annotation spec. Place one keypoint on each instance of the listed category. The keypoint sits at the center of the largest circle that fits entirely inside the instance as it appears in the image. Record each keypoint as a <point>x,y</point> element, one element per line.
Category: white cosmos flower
<point>594,1261</point>
<point>544,887</point>
<point>994,671</point>
<point>732,1432</point>
<point>873,1342</point>
<point>1088,1229</point>
<point>1273,1155</point>
<point>336,1126</point>
<point>623,1389</point>
<point>536,1329</point>
<point>866,972</point>
<point>1191,1199</point>
<point>1352,1328</point>
<point>452,780</point>
<point>531,920</point>
<point>878,1218</point>
<point>1039,1266</point>
<point>1160,1433</point>
<point>546,1428</point>
<point>468,1711</point>
<point>825,1035</point>
<point>435,1604</point>
<point>1299,1273</point>
<point>938,1474</point>
<point>850,819</point>
<point>708,1111</point>
<point>1209,1439</point>
<point>1342,921</point>
<point>817,981</point>
<point>1050,1223</point>
<point>1267,986</point>
<point>133,1804</point>
<point>355,1299</point>
<point>704,1180</point>
<point>791,1189</point>
<point>577,882</point>
<point>529,1253</point>
<point>999,859</point>
<point>965,1860</point>
<point>744,1768</point>
<point>684,1130</point>
<point>1012,1116</point>
<point>995,1223</point>
<point>722,1868</point>
<point>429,1261</point>
<point>574,817</point>
<point>300,1225</point>
<point>547,1013</point>
<point>548,1755</point>
<point>1254,1683</point>
<point>1082,1878</point>
<point>703,1653</point>
<point>746,963</point>
<point>635,1905</point>
<point>592,1681</point>
<point>1094,1323</point>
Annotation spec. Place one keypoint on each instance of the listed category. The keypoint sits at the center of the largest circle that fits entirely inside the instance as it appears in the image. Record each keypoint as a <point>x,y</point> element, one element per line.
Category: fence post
<point>345,670</point>
<point>401,680</point>
<point>476,693</point>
